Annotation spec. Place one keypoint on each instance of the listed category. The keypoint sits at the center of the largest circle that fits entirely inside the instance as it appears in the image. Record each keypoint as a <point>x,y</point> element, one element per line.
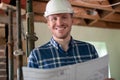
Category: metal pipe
<point>6,50</point>
<point>30,35</point>
<point>19,40</point>
<point>10,46</point>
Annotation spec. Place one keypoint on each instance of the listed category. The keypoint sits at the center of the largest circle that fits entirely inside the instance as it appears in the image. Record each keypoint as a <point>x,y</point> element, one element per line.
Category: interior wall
<point>109,36</point>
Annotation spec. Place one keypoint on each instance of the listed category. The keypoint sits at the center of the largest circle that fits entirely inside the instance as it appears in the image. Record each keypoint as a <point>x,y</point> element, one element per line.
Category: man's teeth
<point>60,28</point>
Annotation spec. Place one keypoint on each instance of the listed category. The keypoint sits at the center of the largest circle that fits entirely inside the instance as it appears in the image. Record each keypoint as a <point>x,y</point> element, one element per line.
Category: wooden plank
<point>3,58</point>
<point>112,17</point>
<point>82,13</point>
<point>2,25</point>
<point>5,6</point>
<point>103,24</point>
<point>39,7</point>
<point>3,72</point>
<point>3,77</point>
<point>77,21</point>
<point>2,65</point>
<point>94,4</point>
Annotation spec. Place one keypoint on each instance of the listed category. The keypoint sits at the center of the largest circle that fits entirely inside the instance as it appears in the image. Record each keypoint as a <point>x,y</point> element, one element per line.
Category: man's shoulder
<point>82,42</point>
<point>44,46</point>
<point>39,49</point>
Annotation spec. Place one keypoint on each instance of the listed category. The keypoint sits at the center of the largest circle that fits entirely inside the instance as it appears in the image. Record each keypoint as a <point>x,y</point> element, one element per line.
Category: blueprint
<point>96,69</point>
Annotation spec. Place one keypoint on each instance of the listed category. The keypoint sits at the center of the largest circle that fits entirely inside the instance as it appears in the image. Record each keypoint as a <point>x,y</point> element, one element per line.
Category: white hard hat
<point>58,6</point>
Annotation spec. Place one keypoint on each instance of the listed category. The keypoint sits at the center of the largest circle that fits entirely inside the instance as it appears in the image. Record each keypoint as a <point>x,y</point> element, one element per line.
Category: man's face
<point>60,25</point>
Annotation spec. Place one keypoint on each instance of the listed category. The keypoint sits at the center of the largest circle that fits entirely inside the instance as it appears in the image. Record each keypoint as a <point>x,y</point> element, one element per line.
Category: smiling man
<point>62,49</point>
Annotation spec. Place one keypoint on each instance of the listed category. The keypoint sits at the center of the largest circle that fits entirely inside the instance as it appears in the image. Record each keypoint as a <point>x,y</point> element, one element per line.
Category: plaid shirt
<point>51,55</point>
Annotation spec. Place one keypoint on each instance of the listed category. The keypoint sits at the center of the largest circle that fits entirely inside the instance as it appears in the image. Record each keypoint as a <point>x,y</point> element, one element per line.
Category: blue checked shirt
<point>51,55</point>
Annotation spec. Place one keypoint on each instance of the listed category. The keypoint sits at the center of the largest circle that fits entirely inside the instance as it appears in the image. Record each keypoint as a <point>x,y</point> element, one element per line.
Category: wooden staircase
<point>3,69</point>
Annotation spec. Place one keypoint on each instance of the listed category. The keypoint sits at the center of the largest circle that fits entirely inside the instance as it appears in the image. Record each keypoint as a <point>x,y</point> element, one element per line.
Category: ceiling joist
<point>93,13</point>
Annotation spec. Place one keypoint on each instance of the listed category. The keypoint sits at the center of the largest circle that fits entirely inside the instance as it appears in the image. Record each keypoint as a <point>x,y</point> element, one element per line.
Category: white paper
<point>96,69</point>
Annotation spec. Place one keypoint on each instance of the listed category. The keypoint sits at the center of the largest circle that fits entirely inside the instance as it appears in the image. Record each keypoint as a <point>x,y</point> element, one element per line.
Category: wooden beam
<point>39,7</point>
<point>5,6</point>
<point>102,24</point>
<point>79,21</point>
<point>91,4</point>
<point>2,25</point>
<point>112,17</point>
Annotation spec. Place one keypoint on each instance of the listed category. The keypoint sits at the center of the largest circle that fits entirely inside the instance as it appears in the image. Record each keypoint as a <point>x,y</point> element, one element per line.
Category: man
<point>62,49</point>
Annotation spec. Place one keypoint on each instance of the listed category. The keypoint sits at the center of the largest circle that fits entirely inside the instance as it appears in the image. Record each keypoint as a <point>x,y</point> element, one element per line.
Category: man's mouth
<point>60,28</point>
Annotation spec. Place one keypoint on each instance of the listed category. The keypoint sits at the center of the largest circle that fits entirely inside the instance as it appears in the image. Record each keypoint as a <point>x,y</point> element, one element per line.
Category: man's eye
<point>54,18</point>
<point>64,17</point>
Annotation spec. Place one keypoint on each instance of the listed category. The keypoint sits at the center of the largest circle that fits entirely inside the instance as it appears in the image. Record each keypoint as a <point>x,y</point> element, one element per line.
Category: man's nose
<point>59,22</point>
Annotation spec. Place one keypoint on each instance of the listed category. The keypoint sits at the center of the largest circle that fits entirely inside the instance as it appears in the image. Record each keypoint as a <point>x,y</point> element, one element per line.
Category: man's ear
<point>46,20</point>
<point>48,24</point>
<point>72,20</point>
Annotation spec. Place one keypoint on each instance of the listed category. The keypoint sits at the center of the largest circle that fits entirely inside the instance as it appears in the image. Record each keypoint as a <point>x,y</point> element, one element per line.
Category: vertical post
<point>10,46</point>
<point>19,40</point>
<point>30,35</point>
<point>6,50</point>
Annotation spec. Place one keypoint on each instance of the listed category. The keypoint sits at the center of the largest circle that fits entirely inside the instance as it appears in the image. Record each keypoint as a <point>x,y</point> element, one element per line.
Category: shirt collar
<point>56,45</point>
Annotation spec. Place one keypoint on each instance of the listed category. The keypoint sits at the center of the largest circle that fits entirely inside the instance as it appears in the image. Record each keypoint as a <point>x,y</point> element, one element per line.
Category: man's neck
<point>64,42</point>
